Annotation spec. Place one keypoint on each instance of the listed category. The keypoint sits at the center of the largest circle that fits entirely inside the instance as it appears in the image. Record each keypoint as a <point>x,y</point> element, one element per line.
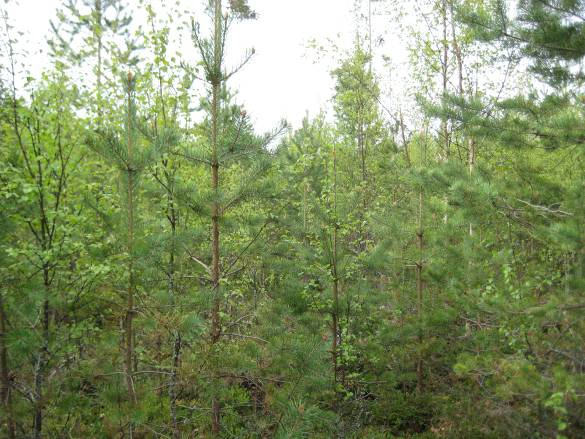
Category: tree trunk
<point>471,164</point>
<point>335,313</point>
<point>459,59</point>
<point>456,50</point>
<point>42,358</point>
<point>129,332</point>
<point>173,385</point>
<point>98,36</point>
<point>215,211</point>
<point>444,73</point>
<point>404,141</point>
<point>419,289</point>
<point>4,375</point>
<point>334,268</point>
<point>172,215</point>
<point>362,149</point>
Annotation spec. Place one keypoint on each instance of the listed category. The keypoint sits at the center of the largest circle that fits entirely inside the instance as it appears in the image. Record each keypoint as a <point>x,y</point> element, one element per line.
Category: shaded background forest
<point>167,271</point>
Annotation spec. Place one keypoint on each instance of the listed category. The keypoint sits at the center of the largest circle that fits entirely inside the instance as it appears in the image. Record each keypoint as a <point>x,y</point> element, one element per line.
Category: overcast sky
<point>285,79</point>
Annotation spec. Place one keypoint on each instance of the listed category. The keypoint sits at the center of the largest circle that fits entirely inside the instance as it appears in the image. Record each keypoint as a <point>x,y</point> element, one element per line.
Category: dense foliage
<point>166,271</point>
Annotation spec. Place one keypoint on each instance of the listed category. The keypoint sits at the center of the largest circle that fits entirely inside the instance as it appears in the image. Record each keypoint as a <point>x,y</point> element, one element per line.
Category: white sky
<point>285,79</point>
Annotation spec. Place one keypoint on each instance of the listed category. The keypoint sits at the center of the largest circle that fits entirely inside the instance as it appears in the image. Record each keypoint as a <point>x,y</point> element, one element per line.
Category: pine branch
<point>251,337</point>
<point>200,262</point>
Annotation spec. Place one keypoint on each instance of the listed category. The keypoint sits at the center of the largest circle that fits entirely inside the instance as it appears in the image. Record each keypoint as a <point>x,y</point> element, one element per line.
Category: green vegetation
<point>166,271</point>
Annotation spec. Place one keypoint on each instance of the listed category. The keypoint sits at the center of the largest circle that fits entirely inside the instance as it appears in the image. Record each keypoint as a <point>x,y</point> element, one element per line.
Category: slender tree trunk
<point>419,289</point>
<point>335,313</point>
<point>370,32</point>
<point>169,175</point>
<point>45,243</point>
<point>42,358</point>
<point>404,141</point>
<point>173,384</point>
<point>98,35</point>
<point>471,156</point>
<point>215,210</point>
<point>456,51</point>
<point>305,184</point>
<point>362,146</point>
<point>444,74</point>
<point>38,409</point>
<point>129,332</point>
<point>459,59</point>
<point>171,287</point>
<point>335,287</point>
<point>362,149</point>
<point>5,384</point>
<point>471,164</point>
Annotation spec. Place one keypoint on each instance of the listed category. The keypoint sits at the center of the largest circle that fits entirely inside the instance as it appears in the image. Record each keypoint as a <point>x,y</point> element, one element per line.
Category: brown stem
<point>173,385</point>
<point>215,210</point>
<point>42,359</point>
<point>4,374</point>
<point>98,36</point>
<point>129,333</point>
<point>172,217</point>
<point>444,70</point>
<point>335,313</point>
<point>419,289</point>
<point>404,141</point>
<point>457,50</point>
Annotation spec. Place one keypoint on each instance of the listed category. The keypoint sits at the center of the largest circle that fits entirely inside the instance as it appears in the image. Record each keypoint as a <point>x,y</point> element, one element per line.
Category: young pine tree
<point>85,35</point>
<point>128,151</point>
